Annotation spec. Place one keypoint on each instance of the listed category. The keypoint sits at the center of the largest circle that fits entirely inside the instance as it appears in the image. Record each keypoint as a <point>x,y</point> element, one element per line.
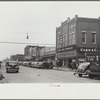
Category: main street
<point>33,75</point>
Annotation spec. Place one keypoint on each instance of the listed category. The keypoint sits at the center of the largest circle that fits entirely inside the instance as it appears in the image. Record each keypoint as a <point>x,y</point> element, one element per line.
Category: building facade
<point>48,54</point>
<point>17,57</point>
<point>32,52</point>
<point>78,40</point>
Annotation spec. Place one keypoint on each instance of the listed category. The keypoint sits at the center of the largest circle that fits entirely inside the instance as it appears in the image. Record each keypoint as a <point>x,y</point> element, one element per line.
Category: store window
<point>83,36</point>
<point>93,37</point>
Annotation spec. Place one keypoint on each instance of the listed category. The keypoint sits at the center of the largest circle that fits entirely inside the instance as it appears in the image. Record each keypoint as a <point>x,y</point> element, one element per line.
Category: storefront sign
<point>68,48</point>
<point>91,58</point>
<point>81,59</point>
<point>88,49</point>
<point>67,54</point>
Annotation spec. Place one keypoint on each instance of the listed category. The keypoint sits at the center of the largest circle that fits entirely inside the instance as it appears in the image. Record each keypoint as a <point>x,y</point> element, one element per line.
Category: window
<point>57,41</point>
<point>71,38</point>
<point>66,40</point>
<point>84,37</point>
<point>74,24</point>
<point>60,40</point>
<point>93,37</point>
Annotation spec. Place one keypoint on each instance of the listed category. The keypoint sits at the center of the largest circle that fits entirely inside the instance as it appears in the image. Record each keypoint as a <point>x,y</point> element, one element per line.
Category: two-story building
<point>48,54</point>
<point>78,40</point>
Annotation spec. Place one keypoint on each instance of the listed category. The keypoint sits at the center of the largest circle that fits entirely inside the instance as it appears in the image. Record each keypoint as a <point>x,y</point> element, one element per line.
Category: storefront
<point>88,54</point>
<point>67,55</point>
<point>49,57</point>
<point>79,54</point>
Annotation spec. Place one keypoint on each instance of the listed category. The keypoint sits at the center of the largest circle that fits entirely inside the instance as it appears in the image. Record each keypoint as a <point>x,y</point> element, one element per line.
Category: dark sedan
<point>12,66</point>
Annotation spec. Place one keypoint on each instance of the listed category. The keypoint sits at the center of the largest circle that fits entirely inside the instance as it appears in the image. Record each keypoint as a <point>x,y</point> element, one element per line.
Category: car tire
<point>90,76</point>
<point>6,71</point>
<point>80,75</point>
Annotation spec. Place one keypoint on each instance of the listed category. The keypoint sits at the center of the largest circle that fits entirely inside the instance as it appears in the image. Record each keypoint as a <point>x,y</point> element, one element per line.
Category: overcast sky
<point>39,20</point>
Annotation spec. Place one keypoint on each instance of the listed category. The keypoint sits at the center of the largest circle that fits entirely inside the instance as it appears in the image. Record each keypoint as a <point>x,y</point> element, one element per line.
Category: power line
<point>24,43</point>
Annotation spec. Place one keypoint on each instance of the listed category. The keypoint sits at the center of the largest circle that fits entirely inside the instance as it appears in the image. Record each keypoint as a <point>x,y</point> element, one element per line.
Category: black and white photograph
<point>50,42</point>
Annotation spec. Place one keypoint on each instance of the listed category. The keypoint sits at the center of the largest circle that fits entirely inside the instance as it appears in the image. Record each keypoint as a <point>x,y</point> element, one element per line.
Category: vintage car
<point>12,66</point>
<point>83,69</point>
<point>38,65</point>
<point>46,65</point>
<point>25,63</point>
<point>34,64</point>
<point>94,71</point>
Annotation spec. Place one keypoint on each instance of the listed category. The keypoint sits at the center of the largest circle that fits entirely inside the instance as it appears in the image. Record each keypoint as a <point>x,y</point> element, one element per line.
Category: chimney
<point>68,19</point>
<point>76,16</point>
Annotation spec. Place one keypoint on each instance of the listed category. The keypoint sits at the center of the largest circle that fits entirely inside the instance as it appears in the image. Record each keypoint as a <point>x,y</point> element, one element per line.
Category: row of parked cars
<point>38,64</point>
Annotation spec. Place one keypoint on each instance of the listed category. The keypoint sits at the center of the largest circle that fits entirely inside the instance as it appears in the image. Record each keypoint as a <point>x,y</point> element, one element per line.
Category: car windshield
<point>12,63</point>
<point>83,65</point>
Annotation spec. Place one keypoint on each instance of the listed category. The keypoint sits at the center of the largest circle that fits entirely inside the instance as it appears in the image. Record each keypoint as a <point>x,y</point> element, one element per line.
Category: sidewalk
<point>63,69</point>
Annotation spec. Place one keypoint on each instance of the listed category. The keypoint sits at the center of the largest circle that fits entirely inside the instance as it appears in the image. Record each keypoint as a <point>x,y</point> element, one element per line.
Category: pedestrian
<point>57,64</point>
<point>73,66</point>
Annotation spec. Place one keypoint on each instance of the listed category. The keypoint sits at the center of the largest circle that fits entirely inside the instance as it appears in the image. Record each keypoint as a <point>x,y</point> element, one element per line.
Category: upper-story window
<point>61,40</point>
<point>71,25</point>
<point>72,38</point>
<point>83,36</point>
<point>93,37</point>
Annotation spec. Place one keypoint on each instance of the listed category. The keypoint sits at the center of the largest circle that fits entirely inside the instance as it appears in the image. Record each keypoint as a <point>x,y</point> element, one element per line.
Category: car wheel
<point>17,71</point>
<point>80,75</point>
<point>90,76</point>
<point>6,71</point>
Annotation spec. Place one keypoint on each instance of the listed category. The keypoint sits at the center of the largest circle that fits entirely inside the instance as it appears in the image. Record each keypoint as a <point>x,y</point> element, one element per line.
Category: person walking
<point>57,64</point>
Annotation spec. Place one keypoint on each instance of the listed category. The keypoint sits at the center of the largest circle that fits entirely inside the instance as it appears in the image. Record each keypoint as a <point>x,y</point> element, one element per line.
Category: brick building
<point>78,40</point>
<point>48,53</point>
<point>32,52</point>
<point>17,57</point>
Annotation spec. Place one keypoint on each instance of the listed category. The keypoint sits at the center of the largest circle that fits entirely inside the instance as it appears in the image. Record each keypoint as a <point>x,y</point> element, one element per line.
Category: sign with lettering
<point>68,48</point>
<point>81,59</point>
<point>91,58</point>
<point>82,49</point>
<point>67,54</point>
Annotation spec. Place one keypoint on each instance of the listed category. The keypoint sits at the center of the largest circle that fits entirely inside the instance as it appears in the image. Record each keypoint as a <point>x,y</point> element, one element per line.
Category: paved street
<point>32,75</point>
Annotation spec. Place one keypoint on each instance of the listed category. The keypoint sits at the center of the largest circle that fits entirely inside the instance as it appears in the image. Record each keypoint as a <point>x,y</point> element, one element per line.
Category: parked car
<point>94,71</point>
<point>25,63</point>
<point>83,69</point>
<point>19,62</point>
<point>46,65</point>
<point>33,64</point>
<point>38,65</point>
<point>12,66</point>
